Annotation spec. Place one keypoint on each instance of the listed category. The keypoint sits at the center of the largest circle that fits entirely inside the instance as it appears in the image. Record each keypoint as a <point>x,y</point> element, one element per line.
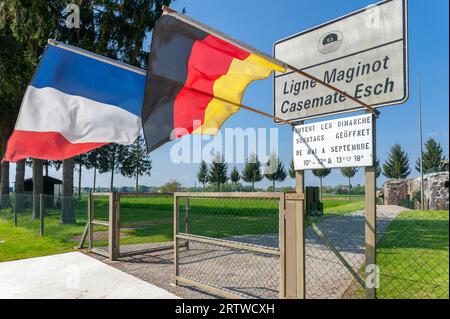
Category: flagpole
<point>96,56</point>
<point>422,186</point>
<point>220,35</point>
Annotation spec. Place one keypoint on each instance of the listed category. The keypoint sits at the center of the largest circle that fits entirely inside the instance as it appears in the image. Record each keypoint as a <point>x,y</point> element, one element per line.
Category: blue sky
<point>261,22</point>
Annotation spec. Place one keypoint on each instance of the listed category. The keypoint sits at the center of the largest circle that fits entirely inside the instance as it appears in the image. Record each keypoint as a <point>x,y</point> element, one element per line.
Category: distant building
<point>52,189</point>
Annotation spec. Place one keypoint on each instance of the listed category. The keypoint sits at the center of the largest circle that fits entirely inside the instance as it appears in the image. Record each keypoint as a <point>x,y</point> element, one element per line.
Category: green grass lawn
<point>217,218</point>
<point>21,242</point>
<point>336,207</point>
<point>413,256</point>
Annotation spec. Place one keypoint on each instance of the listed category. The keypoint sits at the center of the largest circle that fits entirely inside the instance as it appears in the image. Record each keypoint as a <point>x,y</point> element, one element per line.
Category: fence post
<point>371,216</point>
<point>186,220</point>
<point>300,233</point>
<point>117,225</point>
<point>176,229</point>
<point>282,243</point>
<point>15,209</point>
<point>90,217</point>
<point>294,246</point>
<point>113,234</point>
<point>41,214</point>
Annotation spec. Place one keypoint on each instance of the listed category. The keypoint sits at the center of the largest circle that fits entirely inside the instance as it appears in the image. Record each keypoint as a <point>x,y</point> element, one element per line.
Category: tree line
<point>253,172</point>
<point>396,167</point>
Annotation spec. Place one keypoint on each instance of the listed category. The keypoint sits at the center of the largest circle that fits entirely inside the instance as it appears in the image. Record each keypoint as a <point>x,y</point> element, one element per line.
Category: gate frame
<point>289,270</point>
<point>112,224</point>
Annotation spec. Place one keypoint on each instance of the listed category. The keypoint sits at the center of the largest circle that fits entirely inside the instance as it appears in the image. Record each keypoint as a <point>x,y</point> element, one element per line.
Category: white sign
<point>363,53</point>
<point>345,142</point>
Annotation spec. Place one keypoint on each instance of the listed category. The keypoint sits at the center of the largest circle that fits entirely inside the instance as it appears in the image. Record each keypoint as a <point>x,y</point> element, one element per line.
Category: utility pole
<point>421,145</point>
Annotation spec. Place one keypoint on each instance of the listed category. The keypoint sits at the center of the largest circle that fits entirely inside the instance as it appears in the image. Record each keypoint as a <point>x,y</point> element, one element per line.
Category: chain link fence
<point>146,223</point>
<point>62,218</point>
<point>413,256</point>
<point>334,256</point>
<point>229,245</point>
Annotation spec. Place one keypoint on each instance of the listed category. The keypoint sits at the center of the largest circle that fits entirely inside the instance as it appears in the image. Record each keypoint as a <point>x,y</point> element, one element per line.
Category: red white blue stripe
<point>77,102</point>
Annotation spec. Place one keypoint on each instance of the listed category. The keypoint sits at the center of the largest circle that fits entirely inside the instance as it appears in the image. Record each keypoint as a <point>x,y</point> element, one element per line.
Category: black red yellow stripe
<point>190,76</point>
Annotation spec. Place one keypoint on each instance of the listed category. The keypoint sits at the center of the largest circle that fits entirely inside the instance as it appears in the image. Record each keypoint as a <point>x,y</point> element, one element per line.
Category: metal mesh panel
<point>413,256</point>
<point>100,238</point>
<point>328,277</point>
<point>239,271</point>
<point>146,223</point>
<point>223,238</point>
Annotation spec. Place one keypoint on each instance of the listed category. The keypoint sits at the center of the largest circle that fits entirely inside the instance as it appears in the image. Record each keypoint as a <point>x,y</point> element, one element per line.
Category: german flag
<point>192,77</point>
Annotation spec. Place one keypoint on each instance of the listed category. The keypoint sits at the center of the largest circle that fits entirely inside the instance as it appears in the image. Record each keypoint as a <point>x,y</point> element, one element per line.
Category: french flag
<point>77,101</point>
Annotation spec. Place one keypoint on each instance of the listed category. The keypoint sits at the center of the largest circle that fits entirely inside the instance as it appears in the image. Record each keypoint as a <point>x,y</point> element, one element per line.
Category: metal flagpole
<point>97,56</point>
<point>421,145</point>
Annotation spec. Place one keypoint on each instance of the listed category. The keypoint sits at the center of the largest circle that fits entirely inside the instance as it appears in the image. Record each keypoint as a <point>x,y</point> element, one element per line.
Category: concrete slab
<point>72,276</point>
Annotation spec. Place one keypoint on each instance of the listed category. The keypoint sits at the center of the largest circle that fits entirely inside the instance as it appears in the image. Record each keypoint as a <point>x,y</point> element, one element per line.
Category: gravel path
<point>257,274</point>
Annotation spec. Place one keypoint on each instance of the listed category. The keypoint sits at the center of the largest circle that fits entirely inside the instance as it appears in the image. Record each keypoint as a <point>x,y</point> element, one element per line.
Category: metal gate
<point>229,243</point>
<point>122,225</point>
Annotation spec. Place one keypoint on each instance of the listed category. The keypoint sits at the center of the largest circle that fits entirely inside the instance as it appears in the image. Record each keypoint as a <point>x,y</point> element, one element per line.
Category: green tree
<point>67,212</point>
<point>235,177</point>
<point>432,157</point>
<point>349,172</point>
<point>321,174</point>
<point>218,171</point>
<point>19,186</point>
<point>113,28</point>
<point>377,169</point>
<point>111,159</point>
<point>80,161</point>
<point>274,170</point>
<point>170,187</point>
<point>292,170</point>
<point>14,77</point>
<point>202,174</point>
<point>252,171</point>
<point>93,162</point>
<point>397,164</point>
<point>136,161</point>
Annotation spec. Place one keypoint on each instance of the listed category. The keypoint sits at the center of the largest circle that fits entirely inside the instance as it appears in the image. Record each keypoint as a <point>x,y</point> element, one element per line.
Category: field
<point>214,218</point>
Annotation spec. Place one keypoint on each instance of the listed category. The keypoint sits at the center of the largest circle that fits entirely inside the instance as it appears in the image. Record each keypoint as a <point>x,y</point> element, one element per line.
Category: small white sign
<point>363,53</point>
<point>345,142</point>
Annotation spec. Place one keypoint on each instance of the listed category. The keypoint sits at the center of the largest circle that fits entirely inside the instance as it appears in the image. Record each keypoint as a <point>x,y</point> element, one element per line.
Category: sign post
<point>370,229</point>
<point>300,234</point>
<point>361,56</point>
